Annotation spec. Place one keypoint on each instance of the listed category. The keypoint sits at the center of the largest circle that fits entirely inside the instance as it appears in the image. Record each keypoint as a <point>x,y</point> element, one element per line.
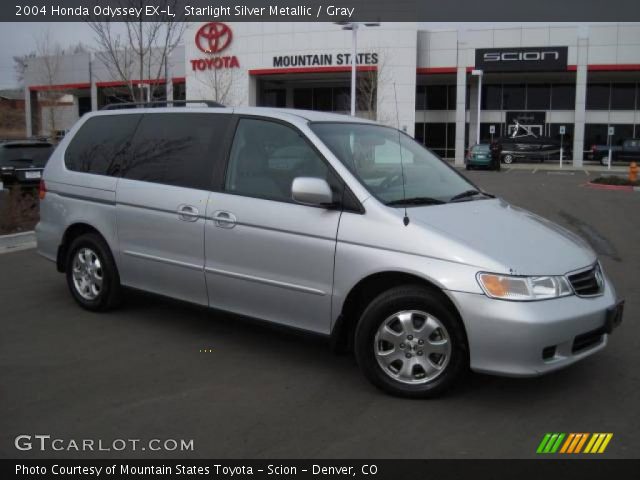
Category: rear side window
<point>179,149</point>
<point>100,144</point>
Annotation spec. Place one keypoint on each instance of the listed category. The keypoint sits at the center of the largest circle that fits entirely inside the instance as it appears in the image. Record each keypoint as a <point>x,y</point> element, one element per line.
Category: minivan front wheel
<point>409,343</point>
<point>91,273</point>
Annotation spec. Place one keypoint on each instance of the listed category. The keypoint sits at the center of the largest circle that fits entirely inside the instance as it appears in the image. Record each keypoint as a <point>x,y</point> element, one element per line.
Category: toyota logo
<point>213,37</point>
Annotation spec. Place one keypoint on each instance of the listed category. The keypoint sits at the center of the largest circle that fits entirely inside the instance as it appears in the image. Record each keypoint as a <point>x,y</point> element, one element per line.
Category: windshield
<point>372,153</point>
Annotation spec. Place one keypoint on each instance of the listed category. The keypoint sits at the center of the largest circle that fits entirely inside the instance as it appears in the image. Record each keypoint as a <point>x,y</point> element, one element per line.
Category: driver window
<point>267,156</point>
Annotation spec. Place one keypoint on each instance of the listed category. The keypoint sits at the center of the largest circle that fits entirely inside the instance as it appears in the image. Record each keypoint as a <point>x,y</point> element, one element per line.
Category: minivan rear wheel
<point>91,272</point>
<point>408,342</point>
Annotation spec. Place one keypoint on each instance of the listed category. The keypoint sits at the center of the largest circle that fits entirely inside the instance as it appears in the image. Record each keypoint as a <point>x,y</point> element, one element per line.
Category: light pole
<point>478,73</point>
<point>353,26</point>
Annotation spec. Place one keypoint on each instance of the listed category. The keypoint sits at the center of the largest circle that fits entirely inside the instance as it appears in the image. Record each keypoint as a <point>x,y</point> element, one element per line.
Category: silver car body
<point>295,265</point>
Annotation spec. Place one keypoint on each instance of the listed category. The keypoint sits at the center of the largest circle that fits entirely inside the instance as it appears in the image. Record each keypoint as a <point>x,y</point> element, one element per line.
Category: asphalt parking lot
<point>141,372</point>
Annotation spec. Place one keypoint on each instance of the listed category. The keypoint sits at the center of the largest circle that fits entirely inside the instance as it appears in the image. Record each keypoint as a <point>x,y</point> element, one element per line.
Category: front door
<point>265,255</point>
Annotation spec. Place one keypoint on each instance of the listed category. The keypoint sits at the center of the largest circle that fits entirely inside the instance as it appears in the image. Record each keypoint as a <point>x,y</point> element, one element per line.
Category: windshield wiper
<point>416,201</point>
<point>468,194</point>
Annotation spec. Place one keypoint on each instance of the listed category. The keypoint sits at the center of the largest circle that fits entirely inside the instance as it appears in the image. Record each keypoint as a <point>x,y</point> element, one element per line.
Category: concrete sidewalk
<point>17,241</point>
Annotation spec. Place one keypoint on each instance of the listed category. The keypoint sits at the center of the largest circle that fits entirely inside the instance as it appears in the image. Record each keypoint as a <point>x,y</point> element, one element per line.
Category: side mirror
<point>311,191</point>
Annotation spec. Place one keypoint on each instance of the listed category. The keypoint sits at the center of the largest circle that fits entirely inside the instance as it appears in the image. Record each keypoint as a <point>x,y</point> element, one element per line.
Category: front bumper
<point>533,338</point>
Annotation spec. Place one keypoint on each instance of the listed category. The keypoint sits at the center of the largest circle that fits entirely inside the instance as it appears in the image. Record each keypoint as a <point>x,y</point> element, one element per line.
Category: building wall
<point>256,44</point>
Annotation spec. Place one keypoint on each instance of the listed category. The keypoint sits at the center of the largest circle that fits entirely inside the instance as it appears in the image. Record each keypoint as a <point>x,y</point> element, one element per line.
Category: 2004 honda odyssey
<point>324,223</point>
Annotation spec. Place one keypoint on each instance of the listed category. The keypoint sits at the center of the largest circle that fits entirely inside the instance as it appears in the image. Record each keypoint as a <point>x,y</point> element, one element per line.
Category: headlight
<point>509,287</point>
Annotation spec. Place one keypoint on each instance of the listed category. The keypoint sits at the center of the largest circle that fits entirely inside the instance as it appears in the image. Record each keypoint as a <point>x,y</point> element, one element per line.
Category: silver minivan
<point>324,223</point>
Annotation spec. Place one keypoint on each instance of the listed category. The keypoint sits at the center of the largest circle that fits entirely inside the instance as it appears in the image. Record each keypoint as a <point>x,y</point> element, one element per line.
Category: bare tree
<point>370,86</point>
<point>50,55</point>
<point>20,65</point>
<point>141,53</point>
<point>217,84</point>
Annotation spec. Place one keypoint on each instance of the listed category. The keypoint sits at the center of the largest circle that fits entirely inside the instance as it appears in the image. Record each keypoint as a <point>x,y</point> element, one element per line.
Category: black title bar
<point>321,10</point>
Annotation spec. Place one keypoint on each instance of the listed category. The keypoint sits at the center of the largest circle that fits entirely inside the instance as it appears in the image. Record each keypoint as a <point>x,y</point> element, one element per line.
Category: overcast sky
<point>20,39</point>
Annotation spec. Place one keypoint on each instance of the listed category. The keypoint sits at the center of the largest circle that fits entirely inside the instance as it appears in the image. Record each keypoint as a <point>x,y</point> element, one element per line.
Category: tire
<point>98,273</point>
<point>604,162</point>
<point>508,159</point>
<point>411,308</point>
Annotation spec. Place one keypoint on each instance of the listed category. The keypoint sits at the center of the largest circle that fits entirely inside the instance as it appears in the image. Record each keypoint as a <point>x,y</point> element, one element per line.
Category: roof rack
<point>160,103</point>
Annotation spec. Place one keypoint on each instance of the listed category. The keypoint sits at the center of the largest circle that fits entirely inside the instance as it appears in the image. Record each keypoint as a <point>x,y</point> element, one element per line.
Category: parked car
<point>523,144</point>
<point>629,151</point>
<point>324,223</point>
<point>479,155</point>
<point>22,161</point>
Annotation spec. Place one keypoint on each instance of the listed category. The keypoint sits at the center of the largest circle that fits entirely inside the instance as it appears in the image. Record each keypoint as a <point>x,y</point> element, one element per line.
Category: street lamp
<point>478,73</point>
<point>354,26</point>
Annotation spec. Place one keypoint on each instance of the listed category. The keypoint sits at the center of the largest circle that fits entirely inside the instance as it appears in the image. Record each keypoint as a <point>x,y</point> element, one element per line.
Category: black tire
<point>398,299</point>
<point>110,293</point>
<point>508,159</point>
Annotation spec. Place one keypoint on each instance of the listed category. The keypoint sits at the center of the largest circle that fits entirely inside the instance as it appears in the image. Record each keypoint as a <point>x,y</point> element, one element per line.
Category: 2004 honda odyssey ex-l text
<point>328,224</point>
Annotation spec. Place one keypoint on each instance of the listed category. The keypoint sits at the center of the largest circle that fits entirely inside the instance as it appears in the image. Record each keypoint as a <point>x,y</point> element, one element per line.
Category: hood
<point>523,242</point>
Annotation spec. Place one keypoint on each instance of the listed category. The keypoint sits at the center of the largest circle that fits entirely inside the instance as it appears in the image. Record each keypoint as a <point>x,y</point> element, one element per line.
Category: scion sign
<point>530,59</point>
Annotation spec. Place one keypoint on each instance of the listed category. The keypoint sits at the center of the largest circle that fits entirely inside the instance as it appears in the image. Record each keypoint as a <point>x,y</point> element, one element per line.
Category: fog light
<point>548,352</point>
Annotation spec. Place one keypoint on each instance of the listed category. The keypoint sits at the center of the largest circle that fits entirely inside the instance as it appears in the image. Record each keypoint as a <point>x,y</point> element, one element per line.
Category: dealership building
<point>444,87</point>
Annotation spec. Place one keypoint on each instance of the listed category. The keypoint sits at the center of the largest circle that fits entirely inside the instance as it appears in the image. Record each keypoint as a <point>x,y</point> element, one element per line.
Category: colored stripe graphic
<point>550,443</point>
<point>574,443</point>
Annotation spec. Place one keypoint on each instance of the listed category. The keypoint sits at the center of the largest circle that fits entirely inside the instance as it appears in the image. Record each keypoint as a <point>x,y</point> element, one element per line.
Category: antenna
<point>405,220</point>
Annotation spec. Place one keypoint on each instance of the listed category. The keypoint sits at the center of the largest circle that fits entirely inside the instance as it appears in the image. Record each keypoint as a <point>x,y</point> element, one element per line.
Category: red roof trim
<point>278,71</point>
<point>65,86</point>
<point>120,83</point>
<point>614,67</point>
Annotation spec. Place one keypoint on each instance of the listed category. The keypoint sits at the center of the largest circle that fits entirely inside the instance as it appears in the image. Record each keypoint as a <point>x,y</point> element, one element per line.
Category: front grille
<point>587,282</point>
<point>587,340</point>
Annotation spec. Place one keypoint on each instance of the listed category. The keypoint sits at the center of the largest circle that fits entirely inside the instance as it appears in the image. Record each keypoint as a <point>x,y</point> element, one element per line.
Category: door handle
<point>224,219</point>
<point>188,213</point>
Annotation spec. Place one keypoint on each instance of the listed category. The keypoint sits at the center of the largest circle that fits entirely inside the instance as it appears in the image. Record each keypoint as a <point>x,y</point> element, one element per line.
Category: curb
<point>17,241</point>
<point>625,188</point>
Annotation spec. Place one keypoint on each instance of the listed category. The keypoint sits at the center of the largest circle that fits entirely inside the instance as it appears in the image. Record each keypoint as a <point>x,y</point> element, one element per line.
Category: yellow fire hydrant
<point>633,172</point>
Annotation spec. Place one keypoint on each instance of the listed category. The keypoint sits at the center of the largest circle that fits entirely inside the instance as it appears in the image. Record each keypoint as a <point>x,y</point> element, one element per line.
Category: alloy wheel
<point>88,275</point>
<point>412,346</point>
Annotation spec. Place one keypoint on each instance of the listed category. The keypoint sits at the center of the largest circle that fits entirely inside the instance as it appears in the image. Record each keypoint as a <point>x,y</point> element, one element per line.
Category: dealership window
<point>491,97</point>
<point>421,97</point>
<point>451,140</point>
<point>596,134</point>
<point>563,96</point>
<point>598,96</point>
<point>538,96</point>
<point>178,149</point>
<point>341,99</point>
<point>274,97</point>
<point>513,97</point>
<point>179,91</point>
<point>435,137</point>
<point>303,98</point>
<point>485,131</point>
<point>100,144</point>
<point>554,132</point>
<point>436,97</point>
<point>419,133</point>
<point>623,96</point>
<point>323,99</point>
